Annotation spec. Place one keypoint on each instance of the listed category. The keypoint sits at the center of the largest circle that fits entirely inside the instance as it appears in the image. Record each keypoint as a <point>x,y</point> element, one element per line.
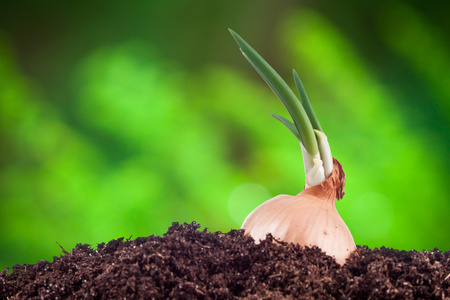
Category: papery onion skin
<point>309,218</point>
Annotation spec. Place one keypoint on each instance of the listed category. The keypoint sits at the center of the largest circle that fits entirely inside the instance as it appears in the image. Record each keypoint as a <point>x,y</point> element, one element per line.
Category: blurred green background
<point>119,118</point>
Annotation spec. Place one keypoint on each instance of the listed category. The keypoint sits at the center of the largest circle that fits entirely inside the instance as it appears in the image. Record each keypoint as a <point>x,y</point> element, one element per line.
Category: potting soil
<point>188,263</point>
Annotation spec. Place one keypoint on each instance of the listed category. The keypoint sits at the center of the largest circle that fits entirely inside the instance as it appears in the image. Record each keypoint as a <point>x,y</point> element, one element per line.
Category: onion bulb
<point>310,218</point>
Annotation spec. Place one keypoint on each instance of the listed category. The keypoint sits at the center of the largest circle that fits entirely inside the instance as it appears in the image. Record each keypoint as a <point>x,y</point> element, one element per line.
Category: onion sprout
<point>309,218</point>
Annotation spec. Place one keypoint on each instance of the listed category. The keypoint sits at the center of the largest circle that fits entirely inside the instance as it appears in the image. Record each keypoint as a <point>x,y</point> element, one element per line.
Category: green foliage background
<point>119,118</point>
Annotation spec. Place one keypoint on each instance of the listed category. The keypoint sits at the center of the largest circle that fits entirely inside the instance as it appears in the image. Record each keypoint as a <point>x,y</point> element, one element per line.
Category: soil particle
<point>186,263</point>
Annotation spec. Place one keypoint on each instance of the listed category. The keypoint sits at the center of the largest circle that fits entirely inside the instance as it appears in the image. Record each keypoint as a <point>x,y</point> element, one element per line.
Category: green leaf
<point>284,93</point>
<point>305,102</point>
<point>289,125</point>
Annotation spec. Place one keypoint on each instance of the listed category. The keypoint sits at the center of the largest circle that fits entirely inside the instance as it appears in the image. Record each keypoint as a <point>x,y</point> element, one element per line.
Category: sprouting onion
<point>309,218</point>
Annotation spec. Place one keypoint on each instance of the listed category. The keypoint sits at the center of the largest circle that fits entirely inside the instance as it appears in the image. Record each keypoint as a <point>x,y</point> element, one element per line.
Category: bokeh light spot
<point>244,199</point>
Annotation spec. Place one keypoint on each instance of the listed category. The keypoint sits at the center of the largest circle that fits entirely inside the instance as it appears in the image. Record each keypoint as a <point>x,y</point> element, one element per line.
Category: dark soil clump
<point>190,264</point>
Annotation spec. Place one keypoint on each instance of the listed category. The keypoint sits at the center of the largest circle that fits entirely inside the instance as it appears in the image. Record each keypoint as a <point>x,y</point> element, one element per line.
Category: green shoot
<point>289,125</point>
<point>305,102</point>
<point>300,117</point>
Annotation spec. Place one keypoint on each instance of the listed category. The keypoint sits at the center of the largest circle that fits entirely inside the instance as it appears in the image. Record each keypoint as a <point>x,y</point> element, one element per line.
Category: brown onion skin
<point>309,218</point>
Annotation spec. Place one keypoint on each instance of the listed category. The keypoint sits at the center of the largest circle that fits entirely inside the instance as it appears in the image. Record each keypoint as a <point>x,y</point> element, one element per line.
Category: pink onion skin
<point>309,218</point>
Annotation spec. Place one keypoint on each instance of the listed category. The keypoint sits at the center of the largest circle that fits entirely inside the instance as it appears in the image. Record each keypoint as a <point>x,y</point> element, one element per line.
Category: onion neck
<point>332,188</point>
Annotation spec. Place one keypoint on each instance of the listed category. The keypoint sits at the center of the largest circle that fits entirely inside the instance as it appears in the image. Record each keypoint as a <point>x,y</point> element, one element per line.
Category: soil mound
<point>186,263</point>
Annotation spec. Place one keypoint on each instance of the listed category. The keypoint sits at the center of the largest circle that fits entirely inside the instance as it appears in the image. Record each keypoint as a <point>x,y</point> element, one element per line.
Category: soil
<point>186,263</point>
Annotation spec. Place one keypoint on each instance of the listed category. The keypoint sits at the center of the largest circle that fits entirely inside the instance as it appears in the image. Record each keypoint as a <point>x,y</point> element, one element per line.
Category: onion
<point>309,218</point>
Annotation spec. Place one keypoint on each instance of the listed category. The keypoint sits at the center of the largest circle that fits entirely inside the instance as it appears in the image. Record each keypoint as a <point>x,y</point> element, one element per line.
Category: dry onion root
<point>309,218</point>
